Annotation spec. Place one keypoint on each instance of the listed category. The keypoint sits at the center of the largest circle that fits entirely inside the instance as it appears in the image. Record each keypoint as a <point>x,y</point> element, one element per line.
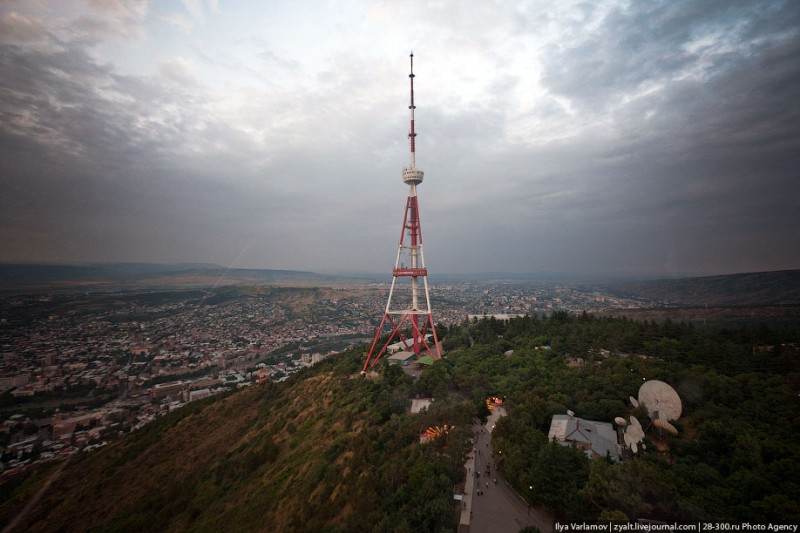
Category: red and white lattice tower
<point>411,316</point>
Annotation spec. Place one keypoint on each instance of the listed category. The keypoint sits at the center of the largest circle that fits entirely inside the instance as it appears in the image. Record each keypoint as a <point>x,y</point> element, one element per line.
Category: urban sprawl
<point>77,371</point>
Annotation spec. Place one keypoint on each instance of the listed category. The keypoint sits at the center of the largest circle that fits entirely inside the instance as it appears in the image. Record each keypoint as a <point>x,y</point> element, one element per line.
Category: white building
<point>596,438</point>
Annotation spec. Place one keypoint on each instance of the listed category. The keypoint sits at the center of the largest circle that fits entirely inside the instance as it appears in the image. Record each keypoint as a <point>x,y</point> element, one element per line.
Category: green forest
<point>331,450</point>
<point>736,457</point>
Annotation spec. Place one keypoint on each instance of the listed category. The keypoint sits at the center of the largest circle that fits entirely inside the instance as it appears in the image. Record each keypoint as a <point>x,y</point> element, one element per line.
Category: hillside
<point>329,450</point>
<point>751,289</point>
<point>322,450</point>
<point>118,276</point>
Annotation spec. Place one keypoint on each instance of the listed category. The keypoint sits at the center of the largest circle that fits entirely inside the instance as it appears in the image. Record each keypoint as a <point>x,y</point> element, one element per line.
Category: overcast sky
<point>643,138</point>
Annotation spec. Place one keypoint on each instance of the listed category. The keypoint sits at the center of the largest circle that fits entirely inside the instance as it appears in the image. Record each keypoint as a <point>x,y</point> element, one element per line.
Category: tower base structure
<point>416,342</point>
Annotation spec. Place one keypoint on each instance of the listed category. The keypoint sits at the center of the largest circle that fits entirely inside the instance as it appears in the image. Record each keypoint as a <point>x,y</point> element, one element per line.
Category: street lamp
<point>529,499</point>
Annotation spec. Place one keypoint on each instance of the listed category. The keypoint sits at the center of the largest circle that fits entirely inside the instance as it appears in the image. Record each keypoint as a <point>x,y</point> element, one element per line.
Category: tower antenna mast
<point>410,263</point>
<point>412,107</point>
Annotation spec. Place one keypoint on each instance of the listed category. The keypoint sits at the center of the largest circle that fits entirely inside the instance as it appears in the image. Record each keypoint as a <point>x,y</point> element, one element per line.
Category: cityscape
<point>91,369</point>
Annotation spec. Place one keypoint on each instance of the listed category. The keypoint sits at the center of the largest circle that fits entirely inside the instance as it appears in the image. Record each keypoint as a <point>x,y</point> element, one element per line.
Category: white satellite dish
<point>621,421</point>
<point>666,426</point>
<point>634,432</point>
<point>660,399</point>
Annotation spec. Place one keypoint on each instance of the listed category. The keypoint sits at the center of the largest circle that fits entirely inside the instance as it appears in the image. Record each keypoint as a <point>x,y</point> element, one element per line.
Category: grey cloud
<point>94,29</point>
<point>175,18</point>
<point>100,166</point>
<point>17,28</point>
<point>177,69</point>
<point>698,174</point>
<point>87,156</point>
<point>650,42</point>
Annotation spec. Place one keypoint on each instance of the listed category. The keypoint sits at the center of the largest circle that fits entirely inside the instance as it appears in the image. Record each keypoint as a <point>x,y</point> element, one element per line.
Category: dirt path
<point>33,502</point>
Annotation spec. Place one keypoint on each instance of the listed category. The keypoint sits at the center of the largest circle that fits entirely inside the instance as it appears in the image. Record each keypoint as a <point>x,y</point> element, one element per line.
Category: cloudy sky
<point>641,137</point>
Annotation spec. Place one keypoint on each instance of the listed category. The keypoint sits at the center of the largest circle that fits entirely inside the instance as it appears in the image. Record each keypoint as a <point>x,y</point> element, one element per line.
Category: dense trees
<point>331,450</point>
<point>736,456</point>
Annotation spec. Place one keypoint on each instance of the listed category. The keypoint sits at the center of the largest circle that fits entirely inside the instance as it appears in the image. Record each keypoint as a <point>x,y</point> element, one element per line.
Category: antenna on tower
<point>411,175</point>
<point>411,134</point>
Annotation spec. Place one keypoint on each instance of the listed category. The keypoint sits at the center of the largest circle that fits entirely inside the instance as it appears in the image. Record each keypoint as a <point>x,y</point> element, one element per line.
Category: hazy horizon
<point>377,276</point>
<point>639,139</point>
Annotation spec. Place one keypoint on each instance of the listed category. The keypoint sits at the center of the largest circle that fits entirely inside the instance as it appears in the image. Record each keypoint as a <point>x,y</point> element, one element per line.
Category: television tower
<point>410,263</point>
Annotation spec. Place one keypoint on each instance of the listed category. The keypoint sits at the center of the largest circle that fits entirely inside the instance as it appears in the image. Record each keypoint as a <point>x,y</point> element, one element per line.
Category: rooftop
<point>597,438</point>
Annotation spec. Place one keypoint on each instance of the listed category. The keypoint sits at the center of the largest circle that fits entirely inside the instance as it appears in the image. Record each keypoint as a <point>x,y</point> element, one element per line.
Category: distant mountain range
<point>115,276</point>
<point>751,289</point>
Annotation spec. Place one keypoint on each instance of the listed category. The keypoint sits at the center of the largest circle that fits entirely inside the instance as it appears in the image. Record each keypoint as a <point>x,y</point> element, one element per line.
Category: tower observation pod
<point>410,319</point>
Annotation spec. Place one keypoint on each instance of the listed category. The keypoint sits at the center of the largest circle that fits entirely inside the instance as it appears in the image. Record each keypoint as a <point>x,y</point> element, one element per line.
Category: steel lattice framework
<point>410,263</point>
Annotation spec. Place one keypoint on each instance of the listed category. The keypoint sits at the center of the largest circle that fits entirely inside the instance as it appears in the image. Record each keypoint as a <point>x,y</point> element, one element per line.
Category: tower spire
<point>411,175</point>
<point>410,263</point>
<point>412,107</point>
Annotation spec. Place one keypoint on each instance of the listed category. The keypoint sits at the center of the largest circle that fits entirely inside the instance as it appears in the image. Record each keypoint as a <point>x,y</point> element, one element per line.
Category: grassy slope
<point>196,467</point>
<point>308,455</point>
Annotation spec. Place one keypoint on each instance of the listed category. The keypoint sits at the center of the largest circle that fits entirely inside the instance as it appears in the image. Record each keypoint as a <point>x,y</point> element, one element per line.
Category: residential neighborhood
<point>78,370</point>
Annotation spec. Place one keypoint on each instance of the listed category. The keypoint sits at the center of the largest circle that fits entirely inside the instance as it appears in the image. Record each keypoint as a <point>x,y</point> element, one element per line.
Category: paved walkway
<point>498,509</point>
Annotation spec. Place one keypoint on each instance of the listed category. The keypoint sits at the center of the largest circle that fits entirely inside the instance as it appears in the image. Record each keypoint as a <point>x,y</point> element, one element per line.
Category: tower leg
<point>418,335</point>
